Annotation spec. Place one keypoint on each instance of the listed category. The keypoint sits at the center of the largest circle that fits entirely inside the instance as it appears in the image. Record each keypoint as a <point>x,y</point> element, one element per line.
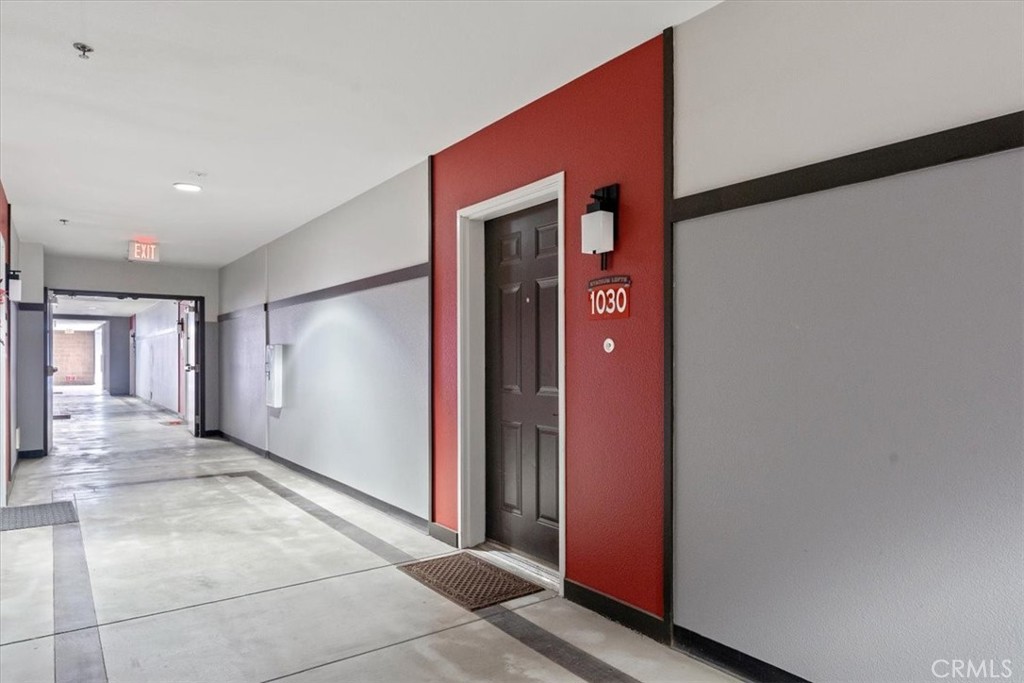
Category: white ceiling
<point>97,305</point>
<point>290,107</point>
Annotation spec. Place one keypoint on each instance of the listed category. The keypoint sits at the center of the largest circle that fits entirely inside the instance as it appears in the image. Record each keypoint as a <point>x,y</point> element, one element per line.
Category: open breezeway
<point>196,560</point>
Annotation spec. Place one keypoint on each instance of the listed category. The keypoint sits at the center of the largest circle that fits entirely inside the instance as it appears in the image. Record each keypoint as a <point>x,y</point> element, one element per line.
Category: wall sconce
<point>14,284</point>
<point>599,223</point>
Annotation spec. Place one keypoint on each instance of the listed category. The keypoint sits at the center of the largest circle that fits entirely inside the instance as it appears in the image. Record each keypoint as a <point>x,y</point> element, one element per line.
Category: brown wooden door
<point>522,381</point>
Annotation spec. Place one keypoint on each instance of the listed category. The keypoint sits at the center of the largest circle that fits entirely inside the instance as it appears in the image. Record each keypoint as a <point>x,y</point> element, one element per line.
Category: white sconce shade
<point>598,232</point>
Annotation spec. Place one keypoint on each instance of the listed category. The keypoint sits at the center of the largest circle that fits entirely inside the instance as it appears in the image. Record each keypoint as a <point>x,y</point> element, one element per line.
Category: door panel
<point>547,482</point>
<point>182,359</point>
<point>512,466</point>
<point>190,369</point>
<point>49,371</point>
<point>522,381</point>
<point>546,310</point>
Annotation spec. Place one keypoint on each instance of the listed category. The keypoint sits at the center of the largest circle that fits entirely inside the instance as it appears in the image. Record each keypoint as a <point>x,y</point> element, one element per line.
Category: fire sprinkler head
<point>84,49</point>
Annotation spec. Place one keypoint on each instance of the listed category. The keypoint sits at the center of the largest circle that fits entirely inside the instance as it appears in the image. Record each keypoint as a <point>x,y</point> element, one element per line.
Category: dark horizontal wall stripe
<point>36,453</point>
<point>75,316</point>
<point>389,278</point>
<point>409,518</point>
<point>964,142</point>
<point>638,620</point>
<point>747,667</point>
<point>251,310</point>
<point>30,306</point>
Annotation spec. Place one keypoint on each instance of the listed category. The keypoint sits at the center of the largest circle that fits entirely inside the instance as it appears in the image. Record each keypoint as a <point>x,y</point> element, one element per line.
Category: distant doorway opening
<point>146,345</point>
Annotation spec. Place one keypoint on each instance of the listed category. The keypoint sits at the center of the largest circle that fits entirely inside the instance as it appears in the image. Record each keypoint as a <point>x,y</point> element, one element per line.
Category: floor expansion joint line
<point>217,601</point>
<point>407,640</point>
<point>367,540</point>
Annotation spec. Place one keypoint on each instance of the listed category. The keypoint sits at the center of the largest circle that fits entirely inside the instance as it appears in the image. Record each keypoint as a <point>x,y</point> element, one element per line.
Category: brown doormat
<point>468,581</point>
<point>173,423</point>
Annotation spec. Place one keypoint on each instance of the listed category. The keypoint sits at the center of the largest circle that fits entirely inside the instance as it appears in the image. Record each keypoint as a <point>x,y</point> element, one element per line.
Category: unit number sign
<point>609,297</point>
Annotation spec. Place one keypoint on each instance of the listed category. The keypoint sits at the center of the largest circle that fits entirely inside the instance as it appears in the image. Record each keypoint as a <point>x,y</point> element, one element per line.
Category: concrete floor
<point>195,560</point>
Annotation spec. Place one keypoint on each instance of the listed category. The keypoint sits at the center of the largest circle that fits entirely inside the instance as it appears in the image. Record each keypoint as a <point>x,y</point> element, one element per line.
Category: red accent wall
<point>603,128</point>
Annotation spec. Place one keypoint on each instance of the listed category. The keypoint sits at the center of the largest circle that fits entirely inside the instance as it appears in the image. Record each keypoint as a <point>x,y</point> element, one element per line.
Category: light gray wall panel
<point>243,412</point>
<point>73,272</point>
<point>31,379</point>
<point>356,402</point>
<point>849,434</point>
<point>243,283</point>
<point>157,357</point>
<point>385,228</point>
<point>766,86</point>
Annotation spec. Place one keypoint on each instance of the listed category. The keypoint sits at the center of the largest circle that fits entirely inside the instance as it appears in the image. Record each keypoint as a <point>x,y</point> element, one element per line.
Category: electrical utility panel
<point>275,375</point>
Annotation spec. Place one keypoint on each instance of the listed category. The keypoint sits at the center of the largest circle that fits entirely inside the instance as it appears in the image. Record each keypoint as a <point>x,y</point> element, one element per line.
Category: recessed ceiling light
<point>188,187</point>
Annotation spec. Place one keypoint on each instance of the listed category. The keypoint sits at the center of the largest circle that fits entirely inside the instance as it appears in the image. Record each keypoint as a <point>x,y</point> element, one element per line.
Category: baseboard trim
<point>244,444</point>
<point>631,617</point>
<point>34,453</point>
<point>729,659</point>
<point>213,434</point>
<point>443,534</point>
<point>398,513</point>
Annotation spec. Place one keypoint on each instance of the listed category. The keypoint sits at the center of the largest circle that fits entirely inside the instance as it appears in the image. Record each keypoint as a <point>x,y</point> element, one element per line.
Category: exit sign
<point>144,251</point>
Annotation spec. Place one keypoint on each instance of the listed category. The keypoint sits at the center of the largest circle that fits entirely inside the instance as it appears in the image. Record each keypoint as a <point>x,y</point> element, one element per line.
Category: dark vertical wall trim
<point>430,337</point>
<point>668,156</point>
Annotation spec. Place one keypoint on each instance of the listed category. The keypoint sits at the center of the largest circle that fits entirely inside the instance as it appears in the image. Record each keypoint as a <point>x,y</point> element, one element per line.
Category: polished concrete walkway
<point>195,560</point>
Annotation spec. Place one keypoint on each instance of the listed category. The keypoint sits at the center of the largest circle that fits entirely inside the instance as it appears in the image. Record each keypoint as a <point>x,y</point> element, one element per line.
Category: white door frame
<point>472,418</point>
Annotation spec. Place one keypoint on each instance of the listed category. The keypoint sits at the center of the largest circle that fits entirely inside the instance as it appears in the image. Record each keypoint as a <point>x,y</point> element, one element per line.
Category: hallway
<point>196,560</point>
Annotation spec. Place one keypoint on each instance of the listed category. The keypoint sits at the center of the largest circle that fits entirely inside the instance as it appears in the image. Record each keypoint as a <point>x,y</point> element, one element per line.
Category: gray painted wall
<point>323,426</point>
<point>243,412</point>
<point>766,86</point>
<point>72,272</point>
<point>156,355</point>
<point>356,394</point>
<point>383,229</point>
<point>243,283</point>
<point>31,378</point>
<point>849,440</point>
